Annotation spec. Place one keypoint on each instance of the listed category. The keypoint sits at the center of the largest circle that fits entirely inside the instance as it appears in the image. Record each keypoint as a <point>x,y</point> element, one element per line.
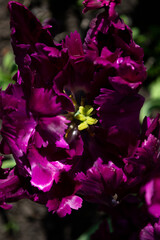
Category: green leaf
<point>135,32</point>
<point>125,19</point>
<point>155,89</point>
<point>8,61</point>
<point>87,235</point>
<point>150,108</point>
<point>8,163</point>
<point>7,70</point>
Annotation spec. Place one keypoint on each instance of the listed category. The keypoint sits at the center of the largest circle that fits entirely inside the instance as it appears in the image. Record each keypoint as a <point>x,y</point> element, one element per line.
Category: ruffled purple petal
<point>17,125</point>
<point>65,206</point>
<point>44,103</point>
<point>44,173</point>
<point>74,45</point>
<point>95,4</point>
<point>30,31</point>
<point>53,129</point>
<point>150,232</point>
<point>152,196</point>
<point>121,113</point>
<point>10,188</point>
<point>75,77</point>
<point>102,183</point>
<point>62,197</point>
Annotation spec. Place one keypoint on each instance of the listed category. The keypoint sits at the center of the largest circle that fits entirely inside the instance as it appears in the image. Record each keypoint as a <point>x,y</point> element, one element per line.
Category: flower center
<point>82,118</point>
<point>83,115</point>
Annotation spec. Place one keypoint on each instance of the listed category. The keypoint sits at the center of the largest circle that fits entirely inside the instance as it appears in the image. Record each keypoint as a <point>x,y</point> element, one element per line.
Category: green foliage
<point>8,162</point>
<point>7,70</point>
<point>152,106</point>
<point>140,39</point>
<point>154,88</point>
<point>87,235</point>
<point>125,19</point>
<point>12,226</point>
<point>79,3</point>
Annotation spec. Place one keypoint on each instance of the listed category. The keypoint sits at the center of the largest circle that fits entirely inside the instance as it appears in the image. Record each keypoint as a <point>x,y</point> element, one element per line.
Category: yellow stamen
<point>83,114</point>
